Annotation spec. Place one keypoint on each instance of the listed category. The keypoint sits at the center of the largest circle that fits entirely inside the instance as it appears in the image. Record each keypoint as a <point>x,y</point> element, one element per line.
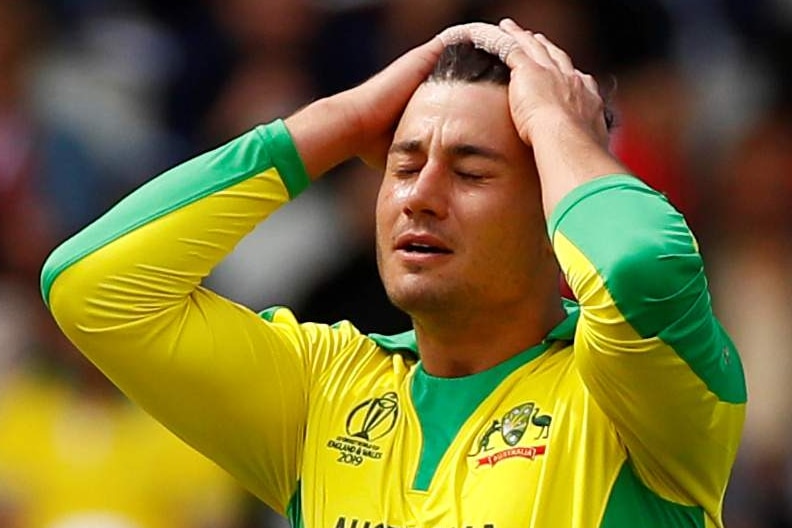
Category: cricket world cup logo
<point>366,423</point>
<point>374,418</point>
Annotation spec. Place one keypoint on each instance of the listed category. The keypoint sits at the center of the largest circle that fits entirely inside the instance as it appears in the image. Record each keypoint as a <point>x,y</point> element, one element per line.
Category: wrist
<point>325,134</point>
<point>553,124</point>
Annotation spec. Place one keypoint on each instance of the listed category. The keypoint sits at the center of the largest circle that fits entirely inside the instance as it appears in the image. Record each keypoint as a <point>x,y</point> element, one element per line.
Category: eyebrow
<point>405,147</point>
<point>460,150</point>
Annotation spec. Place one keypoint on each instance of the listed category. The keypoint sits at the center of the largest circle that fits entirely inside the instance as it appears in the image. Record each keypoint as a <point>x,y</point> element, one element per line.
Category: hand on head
<point>377,104</point>
<point>545,86</point>
<point>545,91</point>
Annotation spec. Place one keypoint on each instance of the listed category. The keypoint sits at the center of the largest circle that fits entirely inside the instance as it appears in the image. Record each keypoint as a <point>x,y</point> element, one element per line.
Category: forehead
<point>454,112</point>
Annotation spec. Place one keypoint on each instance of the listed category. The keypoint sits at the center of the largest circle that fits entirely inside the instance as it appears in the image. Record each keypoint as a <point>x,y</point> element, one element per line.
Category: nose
<point>428,193</point>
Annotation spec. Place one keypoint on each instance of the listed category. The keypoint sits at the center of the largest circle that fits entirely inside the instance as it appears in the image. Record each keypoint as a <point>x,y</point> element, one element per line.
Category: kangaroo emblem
<point>483,444</point>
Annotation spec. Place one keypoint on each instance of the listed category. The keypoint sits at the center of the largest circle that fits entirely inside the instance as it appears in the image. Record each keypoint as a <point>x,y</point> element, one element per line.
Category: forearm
<point>138,268</point>
<point>324,133</point>
<point>126,291</point>
<point>647,342</point>
<point>203,180</point>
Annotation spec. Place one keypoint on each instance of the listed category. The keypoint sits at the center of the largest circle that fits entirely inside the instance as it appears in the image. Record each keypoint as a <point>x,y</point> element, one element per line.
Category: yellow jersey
<point>628,414</point>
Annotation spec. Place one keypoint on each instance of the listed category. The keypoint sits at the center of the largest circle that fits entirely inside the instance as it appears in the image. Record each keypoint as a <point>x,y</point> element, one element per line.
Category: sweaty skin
<point>459,176</point>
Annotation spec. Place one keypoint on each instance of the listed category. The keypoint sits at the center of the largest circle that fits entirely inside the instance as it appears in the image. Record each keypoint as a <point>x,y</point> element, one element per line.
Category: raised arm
<point>648,346</point>
<point>126,290</point>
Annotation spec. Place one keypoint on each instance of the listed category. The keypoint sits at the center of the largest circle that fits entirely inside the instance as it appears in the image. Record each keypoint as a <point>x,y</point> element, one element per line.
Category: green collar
<point>564,331</point>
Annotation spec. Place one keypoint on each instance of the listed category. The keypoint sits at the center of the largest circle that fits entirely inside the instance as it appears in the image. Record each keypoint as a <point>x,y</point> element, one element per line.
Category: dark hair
<point>466,63</point>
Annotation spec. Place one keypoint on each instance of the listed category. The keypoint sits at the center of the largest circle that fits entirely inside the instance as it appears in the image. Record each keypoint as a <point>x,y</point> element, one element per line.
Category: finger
<point>588,81</point>
<point>509,25</point>
<point>529,43</point>
<point>531,47</point>
<point>428,53</point>
<point>416,64</point>
<point>592,86</point>
<point>559,56</point>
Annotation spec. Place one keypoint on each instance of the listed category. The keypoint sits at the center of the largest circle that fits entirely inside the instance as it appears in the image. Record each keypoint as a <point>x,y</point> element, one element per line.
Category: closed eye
<point>470,176</point>
<point>406,171</point>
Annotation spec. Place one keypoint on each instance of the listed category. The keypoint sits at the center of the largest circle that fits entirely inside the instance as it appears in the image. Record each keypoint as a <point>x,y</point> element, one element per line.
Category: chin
<point>415,299</point>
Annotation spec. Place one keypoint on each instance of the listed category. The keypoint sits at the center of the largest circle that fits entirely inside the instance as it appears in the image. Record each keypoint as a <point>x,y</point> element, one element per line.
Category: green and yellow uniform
<point>627,414</point>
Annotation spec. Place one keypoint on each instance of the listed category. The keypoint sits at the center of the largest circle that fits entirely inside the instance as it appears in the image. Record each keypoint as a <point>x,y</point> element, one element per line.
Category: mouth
<point>424,249</point>
<point>412,244</point>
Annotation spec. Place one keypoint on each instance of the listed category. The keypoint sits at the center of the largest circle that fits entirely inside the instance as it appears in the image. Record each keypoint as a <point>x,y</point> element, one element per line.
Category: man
<point>504,407</point>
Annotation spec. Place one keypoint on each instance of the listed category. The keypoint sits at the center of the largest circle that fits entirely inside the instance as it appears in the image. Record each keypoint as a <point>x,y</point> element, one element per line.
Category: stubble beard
<point>414,291</point>
<point>419,300</point>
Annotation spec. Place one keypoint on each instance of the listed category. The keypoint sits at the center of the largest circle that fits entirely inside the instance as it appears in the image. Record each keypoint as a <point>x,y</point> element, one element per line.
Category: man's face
<point>459,221</point>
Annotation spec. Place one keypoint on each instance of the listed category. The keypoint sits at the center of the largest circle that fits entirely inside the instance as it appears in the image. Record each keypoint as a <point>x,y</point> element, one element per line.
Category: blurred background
<point>97,96</point>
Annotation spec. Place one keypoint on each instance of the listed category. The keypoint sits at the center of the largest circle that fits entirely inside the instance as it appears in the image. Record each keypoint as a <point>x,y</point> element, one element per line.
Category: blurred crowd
<point>97,96</point>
